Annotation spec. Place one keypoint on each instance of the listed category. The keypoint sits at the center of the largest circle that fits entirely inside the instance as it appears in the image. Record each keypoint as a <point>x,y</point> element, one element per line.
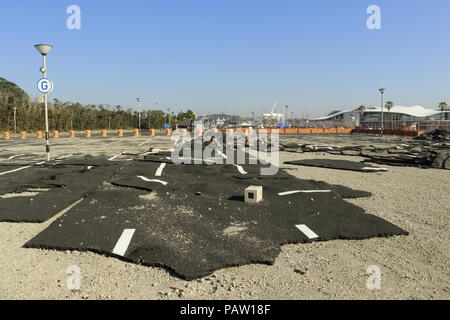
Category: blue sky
<point>230,55</point>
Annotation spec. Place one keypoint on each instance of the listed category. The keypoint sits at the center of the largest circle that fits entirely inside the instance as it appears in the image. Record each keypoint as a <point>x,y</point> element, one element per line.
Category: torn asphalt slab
<point>337,164</point>
<point>198,222</point>
<point>54,188</point>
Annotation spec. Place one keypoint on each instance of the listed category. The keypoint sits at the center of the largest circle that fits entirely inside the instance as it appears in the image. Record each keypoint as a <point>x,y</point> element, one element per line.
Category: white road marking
<point>160,170</point>
<point>67,156</point>
<point>144,143</point>
<point>197,160</point>
<point>112,158</point>
<point>221,154</point>
<point>240,169</point>
<point>152,180</point>
<point>302,191</point>
<point>124,241</point>
<point>17,155</point>
<point>15,170</point>
<point>307,231</point>
<point>373,169</point>
<point>112,143</point>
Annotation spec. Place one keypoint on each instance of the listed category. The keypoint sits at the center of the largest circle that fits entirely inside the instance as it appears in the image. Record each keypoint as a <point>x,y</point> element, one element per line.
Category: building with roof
<point>371,116</point>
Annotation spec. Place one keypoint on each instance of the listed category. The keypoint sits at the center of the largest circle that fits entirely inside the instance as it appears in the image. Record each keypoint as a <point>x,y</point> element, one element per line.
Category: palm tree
<point>442,107</point>
<point>389,106</point>
<point>361,109</point>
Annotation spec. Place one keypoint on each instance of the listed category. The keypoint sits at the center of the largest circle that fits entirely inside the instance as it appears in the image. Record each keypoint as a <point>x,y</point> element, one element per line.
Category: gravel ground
<point>413,267</point>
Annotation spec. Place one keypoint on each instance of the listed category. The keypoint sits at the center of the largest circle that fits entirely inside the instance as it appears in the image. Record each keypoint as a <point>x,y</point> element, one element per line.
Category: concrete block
<point>254,194</point>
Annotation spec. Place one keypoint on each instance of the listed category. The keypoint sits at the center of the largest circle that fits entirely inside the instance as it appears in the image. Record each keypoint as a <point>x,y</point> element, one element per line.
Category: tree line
<point>66,116</point>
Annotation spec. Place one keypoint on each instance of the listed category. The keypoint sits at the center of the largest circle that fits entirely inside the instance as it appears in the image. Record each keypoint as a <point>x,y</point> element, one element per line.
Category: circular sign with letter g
<point>45,85</point>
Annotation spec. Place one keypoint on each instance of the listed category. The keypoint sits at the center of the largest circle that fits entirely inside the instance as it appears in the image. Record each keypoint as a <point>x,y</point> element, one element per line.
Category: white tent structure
<point>398,113</point>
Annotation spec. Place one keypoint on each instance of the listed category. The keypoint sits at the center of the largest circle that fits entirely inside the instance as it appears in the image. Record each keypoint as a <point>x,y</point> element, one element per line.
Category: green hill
<point>10,93</point>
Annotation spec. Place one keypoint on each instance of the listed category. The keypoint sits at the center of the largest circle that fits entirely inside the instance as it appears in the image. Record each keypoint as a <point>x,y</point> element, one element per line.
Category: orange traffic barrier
<point>229,132</point>
<point>104,133</point>
<point>168,132</point>
<point>88,133</point>
<point>120,132</point>
<point>55,134</point>
<point>23,135</point>
<point>72,134</point>
<point>39,135</point>
<point>152,132</point>
<point>136,133</point>
<point>6,135</point>
<point>198,132</point>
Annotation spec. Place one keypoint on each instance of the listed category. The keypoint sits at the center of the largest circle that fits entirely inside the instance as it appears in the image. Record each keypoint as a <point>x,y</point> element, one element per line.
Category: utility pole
<point>139,100</point>
<point>382,90</point>
<point>15,121</point>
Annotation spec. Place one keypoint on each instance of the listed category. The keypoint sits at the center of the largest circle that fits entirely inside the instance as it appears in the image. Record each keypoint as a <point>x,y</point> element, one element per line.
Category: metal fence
<point>407,125</point>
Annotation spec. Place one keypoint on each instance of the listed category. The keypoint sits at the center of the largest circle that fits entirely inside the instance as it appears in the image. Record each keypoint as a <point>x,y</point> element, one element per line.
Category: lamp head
<point>139,99</point>
<point>382,90</point>
<point>43,49</point>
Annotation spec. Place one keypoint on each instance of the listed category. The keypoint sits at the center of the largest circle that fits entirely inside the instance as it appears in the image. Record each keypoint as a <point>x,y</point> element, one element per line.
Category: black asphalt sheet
<point>192,219</point>
<point>53,187</point>
<point>337,164</point>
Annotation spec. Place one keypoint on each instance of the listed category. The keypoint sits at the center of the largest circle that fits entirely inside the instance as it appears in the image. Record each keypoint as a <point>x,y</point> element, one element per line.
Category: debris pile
<point>424,152</point>
<point>435,135</point>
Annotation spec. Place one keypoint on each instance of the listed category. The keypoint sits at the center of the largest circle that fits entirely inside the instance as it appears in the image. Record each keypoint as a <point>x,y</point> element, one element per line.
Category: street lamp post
<point>382,114</point>
<point>284,115</point>
<point>44,49</point>
<point>15,121</point>
<point>139,100</point>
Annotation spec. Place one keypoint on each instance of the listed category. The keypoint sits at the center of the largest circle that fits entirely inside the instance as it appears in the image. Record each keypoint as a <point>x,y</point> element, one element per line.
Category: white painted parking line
<point>160,170</point>
<point>112,143</point>
<point>152,180</point>
<point>144,143</point>
<point>302,191</point>
<point>221,154</point>
<point>112,158</point>
<point>124,241</point>
<point>67,156</point>
<point>15,170</point>
<point>240,169</point>
<point>17,155</point>
<point>307,231</point>
<point>373,169</point>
